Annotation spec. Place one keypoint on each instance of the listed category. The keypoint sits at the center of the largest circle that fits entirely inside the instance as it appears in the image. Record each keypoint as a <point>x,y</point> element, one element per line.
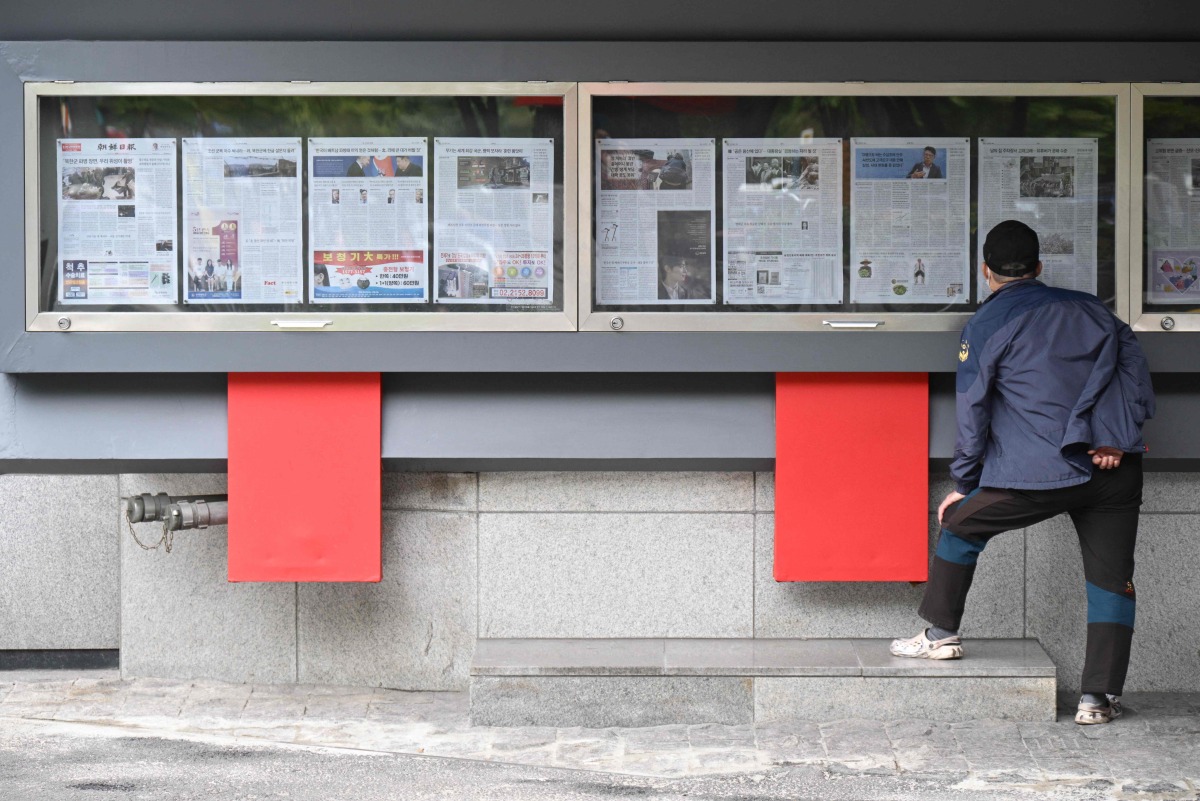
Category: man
<point>674,174</point>
<point>406,169</point>
<point>358,168</point>
<point>362,196</point>
<point>337,196</point>
<point>391,196</point>
<point>672,280</point>
<point>1052,392</point>
<point>925,168</point>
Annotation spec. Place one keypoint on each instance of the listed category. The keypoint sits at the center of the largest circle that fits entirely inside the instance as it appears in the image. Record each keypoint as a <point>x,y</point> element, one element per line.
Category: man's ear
<point>1038,272</point>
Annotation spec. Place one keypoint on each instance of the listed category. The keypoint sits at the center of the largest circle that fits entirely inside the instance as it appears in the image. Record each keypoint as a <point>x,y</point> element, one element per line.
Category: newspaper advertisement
<point>117,221</point>
<point>242,223</point>
<point>1172,221</point>
<point>368,225</point>
<point>910,238</point>
<point>655,221</point>
<point>1050,185</point>
<point>493,221</point>
<point>783,221</point>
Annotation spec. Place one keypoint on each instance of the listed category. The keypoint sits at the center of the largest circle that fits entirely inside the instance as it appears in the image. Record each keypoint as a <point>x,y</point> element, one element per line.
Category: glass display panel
<point>1171,256</point>
<point>861,203</point>
<point>206,203</point>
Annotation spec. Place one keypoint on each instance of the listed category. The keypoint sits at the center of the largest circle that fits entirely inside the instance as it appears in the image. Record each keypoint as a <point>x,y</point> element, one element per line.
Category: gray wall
<point>755,20</point>
<point>108,424</point>
<point>545,554</point>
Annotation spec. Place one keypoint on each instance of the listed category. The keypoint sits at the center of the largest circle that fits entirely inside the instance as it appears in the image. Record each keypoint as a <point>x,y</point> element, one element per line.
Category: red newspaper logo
<point>69,147</point>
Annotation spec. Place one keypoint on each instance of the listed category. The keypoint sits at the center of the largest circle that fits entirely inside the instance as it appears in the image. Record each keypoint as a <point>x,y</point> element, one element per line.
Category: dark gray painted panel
<point>754,20</point>
<point>294,351</point>
<point>105,424</point>
<point>642,417</point>
<point>112,417</point>
<point>602,61</point>
<point>408,352</point>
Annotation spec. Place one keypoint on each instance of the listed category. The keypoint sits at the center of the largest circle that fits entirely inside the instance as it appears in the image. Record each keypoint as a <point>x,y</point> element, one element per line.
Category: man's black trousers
<point>1105,513</point>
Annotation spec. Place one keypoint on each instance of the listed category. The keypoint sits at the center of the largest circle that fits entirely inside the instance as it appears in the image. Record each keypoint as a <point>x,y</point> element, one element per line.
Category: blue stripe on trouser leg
<point>1105,606</point>
<point>959,550</point>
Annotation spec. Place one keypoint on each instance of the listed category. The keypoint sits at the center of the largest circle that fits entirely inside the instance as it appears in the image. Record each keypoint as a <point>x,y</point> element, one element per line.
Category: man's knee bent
<point>959,549</point>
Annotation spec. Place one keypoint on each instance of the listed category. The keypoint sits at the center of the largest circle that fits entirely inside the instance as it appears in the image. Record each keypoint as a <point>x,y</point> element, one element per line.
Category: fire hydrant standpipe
<point>178,512</point>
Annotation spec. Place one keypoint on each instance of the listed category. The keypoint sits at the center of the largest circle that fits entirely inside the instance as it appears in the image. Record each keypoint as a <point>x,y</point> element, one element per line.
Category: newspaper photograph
<point>783,221</point>
<point>117,222</point>
<point>493,221</point>
<point>909,220</point>
<point>243,232</point>
<point>368,225</point>
<point>1172,221</point>
<point>1050,185</point>
<point>655,221</point>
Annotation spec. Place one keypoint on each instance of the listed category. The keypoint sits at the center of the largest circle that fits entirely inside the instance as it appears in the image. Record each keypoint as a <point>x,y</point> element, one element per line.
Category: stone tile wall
<point>536,554</point>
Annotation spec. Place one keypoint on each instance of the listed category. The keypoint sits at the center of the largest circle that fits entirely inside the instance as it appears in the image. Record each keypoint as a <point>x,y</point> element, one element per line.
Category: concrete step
<point>653,682</point>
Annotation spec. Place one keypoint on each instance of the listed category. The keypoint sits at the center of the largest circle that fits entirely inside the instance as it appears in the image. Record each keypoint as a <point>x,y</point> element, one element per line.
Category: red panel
<point>304,477</point>
<point>851,476</point>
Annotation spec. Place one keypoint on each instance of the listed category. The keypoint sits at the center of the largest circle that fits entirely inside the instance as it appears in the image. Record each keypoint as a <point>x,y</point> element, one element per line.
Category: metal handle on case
<point>301,324</point>
<point>852,323</point>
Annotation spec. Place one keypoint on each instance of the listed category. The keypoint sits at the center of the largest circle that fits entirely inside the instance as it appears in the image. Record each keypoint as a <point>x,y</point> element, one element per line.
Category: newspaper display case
<point>792,207</point>
<point>1164,252</point>
<point>315,206</point>
<point>797,211</point>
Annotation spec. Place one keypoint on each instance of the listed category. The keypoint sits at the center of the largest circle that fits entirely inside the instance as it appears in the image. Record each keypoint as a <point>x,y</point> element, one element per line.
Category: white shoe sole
<point>944,652</point>
<point>1090,717</point>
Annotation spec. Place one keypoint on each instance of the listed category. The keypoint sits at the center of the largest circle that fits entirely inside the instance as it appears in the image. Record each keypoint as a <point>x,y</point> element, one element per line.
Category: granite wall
<point>535,554</point>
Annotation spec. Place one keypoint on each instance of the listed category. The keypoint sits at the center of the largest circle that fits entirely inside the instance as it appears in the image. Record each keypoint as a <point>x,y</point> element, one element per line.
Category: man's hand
<point>1106,458</point>
<point>953,497</point>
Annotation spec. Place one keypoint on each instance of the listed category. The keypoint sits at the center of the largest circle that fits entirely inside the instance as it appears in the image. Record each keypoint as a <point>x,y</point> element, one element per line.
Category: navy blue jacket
<point>1044,375</point>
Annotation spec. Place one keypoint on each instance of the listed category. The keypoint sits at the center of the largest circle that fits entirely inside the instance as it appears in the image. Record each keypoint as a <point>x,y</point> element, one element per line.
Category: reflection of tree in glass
<point>315,116</point>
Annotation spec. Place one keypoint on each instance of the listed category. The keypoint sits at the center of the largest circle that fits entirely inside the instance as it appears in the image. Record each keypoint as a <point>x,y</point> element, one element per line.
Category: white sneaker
<point>921,647</point>
<point>1087,714</point>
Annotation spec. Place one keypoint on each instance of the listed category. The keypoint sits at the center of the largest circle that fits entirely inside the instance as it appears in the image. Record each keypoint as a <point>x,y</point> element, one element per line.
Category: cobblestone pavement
<point>1153,752</point>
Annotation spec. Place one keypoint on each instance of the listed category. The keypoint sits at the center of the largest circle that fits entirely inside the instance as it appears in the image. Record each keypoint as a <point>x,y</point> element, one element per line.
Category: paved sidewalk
<point>1153,752</point>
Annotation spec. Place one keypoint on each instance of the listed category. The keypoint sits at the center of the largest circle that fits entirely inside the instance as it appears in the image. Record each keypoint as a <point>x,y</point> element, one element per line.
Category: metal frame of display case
<point>592,320</point>
<point>578,170</point>
<point>1184,319</point>
<point>83,320</point>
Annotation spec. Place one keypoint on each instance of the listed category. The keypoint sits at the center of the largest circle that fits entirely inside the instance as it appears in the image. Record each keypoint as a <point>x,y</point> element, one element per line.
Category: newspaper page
<point>368,227</point>
<point>243,232</point>
<point>1050,185</point>
<point>783,221</point>
<point>493,221</point>
<point>910,238</point>
<point>655,221</point>
<point>1172,221</point>
<point>117,221</point>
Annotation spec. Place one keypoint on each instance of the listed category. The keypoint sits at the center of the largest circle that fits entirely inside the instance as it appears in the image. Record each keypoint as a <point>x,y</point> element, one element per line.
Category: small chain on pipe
<point>165,541</point>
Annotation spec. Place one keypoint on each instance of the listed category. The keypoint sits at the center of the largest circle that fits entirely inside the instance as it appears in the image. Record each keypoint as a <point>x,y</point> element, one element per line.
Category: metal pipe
<point>196,514</point>
<point>145,508</point>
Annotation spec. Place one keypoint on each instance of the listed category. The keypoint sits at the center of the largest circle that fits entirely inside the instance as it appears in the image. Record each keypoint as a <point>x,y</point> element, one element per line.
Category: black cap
<point>1011,249</point>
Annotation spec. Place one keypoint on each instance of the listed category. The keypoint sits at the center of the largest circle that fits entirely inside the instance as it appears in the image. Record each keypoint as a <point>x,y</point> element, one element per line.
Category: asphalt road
<point>48,761</point>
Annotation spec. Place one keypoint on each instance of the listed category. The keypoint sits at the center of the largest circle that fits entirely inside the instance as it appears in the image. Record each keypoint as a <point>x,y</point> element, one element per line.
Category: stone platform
<point>652,682</point>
